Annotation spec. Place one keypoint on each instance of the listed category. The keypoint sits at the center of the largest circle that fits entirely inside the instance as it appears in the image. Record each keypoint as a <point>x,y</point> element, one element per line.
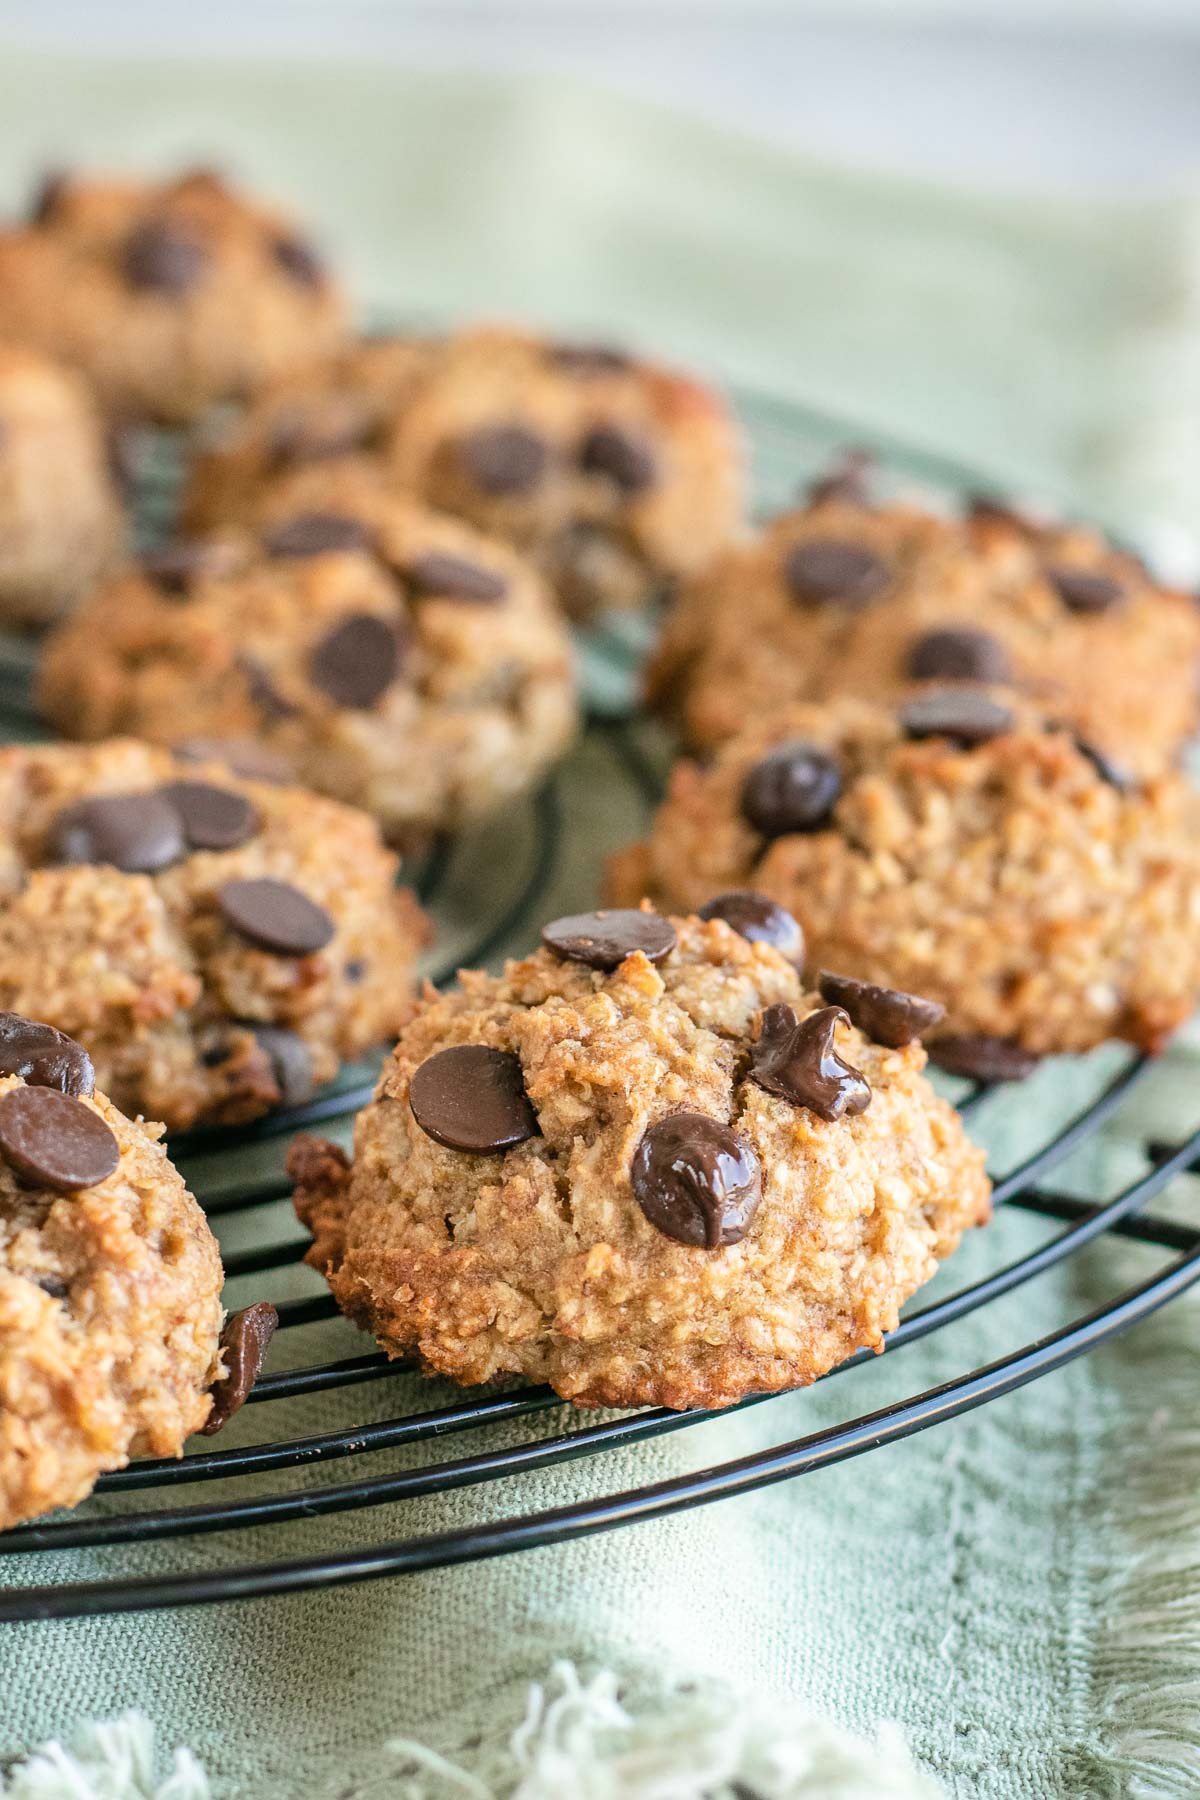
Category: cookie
<point>219,944</point>
<point>393,658</point>
<point>643,1165</point>
<point>962,847</point>
<point>842,597</point>
<point>171,297</point>
<point>110,1283</point>
<point>615,475</point>
<point>61,517</point>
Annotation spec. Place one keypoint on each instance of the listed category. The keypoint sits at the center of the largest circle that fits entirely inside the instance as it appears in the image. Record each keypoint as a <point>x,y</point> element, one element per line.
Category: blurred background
<point>971,224</point>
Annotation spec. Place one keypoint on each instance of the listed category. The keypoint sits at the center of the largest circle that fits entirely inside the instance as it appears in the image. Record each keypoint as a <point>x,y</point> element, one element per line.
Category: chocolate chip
<point>44,1057</point>
<point>241,755</point>
<point>454,578</point>
<point>356,661</point>
<point>1112,772</point>
<point>264,695</point>
<point>888,1015</point>
<point>356,968</point>
<point>48,196</point>
<point>162,257</point>
<point>334,427</point>
<point>299,260</point>
<point>244,1345</point>
<point>213,817</point>
<point>959,653</point>
<point>985,509</point>
<point>759,920</point>
<point>794,788</point>
<point>626,460</point>
<point>982,1058</point>
<point>290,1060</point>
<point>1084,590</point>
<point>177,565</point>
<point>316,534</point>
<point>472,1098</point>
<point>825,571</point>
<point>603,940</point>
<point>589,359</point>
<point>696,1180</point>
<point>847,481</point>
<point>966,717</point>
<point>54,1285</point>
<point>137,833</point>
<point>504,459</point>
<point>797,1060</point>
<point>54,1141</point>
<point>275,916</point>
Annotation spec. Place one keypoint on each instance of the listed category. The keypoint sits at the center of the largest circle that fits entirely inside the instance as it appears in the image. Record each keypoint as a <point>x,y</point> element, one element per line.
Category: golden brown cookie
<point>393,657</point>
<point>170,296</point>
<point>643,1165</point>
<point>842,597</point>
<point>110,1283</point>
<point>219,944</point>
<point>958,846</point>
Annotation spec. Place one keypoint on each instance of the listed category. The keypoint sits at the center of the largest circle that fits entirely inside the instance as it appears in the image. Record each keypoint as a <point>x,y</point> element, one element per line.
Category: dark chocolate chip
<point>138,833</point>
<point>696,1180</point>
<point>275,916</point>
<point>794,788</point>
<point>316,534</point>
<point>848,481</point>
<point>504,459</point>
<point>797,1060</point>
<point>760,920</point>
<point>356,661</point>
<point>48,196</point>
<point>213,817</point>
<point>334,427</point>
<point>626,460</point>
<point>964,716</point>
<point>264,695</point>
<point>163,257</point>
<point>177,565</point>
<point>44,1057</point>
<point>888,1015</point>
<point>603,940</point>
<point>985,509</point>
<point>448,577</point>
<point>290,1060</point>
<point>589,359</point>
<point>834,571</point>
<point>472,1098</point>
<point>356,968</point>
<point>54,1285</point>
<point>241,755</point>
<point>299,260</point>
<point>244,1345</point>
<point>1113,772</point>
<point>1084,590</point>
<point>982,1058</point>
<point>959,653</point>
<point>54,1141</point>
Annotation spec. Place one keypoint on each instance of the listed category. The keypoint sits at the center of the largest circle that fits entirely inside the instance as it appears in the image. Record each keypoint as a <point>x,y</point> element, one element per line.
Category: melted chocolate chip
<point>241,755</point>
<point>833,571</point>
<point>794,788</point>
<point>626,460</point>
<point>603,940</point>
<point>696,1180</point>
<point>356,661</point>
<point>299,260</point>
<point>178,565</point>
<point>54,1141</point>
<point>213,818</point>
<point>797,1060</point>
<point>848,481</point>
<point>472,1098</point>
<point>355,969</point>
<point>587,360</point>
<point>1116,776</point>
<point>982,1058</point>
<point>44,1057</point>
<point>244,1344</point>
<point>1084,590</point>
<point>137,833</point>
<point>48,196</point>
<point>275,916</point>
<point>445,577</point>
<point>291,1063</point>
<point>759,920</point>
<point>966,717</point>
<point>316,534</point>
<point>161,256</point>
<point>888,1015</point>
<point>54,1285</point>
<point>959,653</point>
<point>504,459</point>
<point>263,693</point>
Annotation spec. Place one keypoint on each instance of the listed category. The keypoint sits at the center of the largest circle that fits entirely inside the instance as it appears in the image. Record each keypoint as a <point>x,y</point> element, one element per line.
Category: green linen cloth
<point>1015,1589</point>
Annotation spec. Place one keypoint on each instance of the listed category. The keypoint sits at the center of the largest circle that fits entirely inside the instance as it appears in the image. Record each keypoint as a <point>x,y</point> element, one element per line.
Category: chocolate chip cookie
<point>219,944</point>
<point>110,1282</point>
<point>961,846</point>
<point>393,658</point>
<point>844,597</point>
<point>644,1165</point>
<point>170,296</point>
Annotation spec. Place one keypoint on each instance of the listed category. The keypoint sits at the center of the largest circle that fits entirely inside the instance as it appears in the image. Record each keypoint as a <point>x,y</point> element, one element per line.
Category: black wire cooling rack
<point>788,442</point>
